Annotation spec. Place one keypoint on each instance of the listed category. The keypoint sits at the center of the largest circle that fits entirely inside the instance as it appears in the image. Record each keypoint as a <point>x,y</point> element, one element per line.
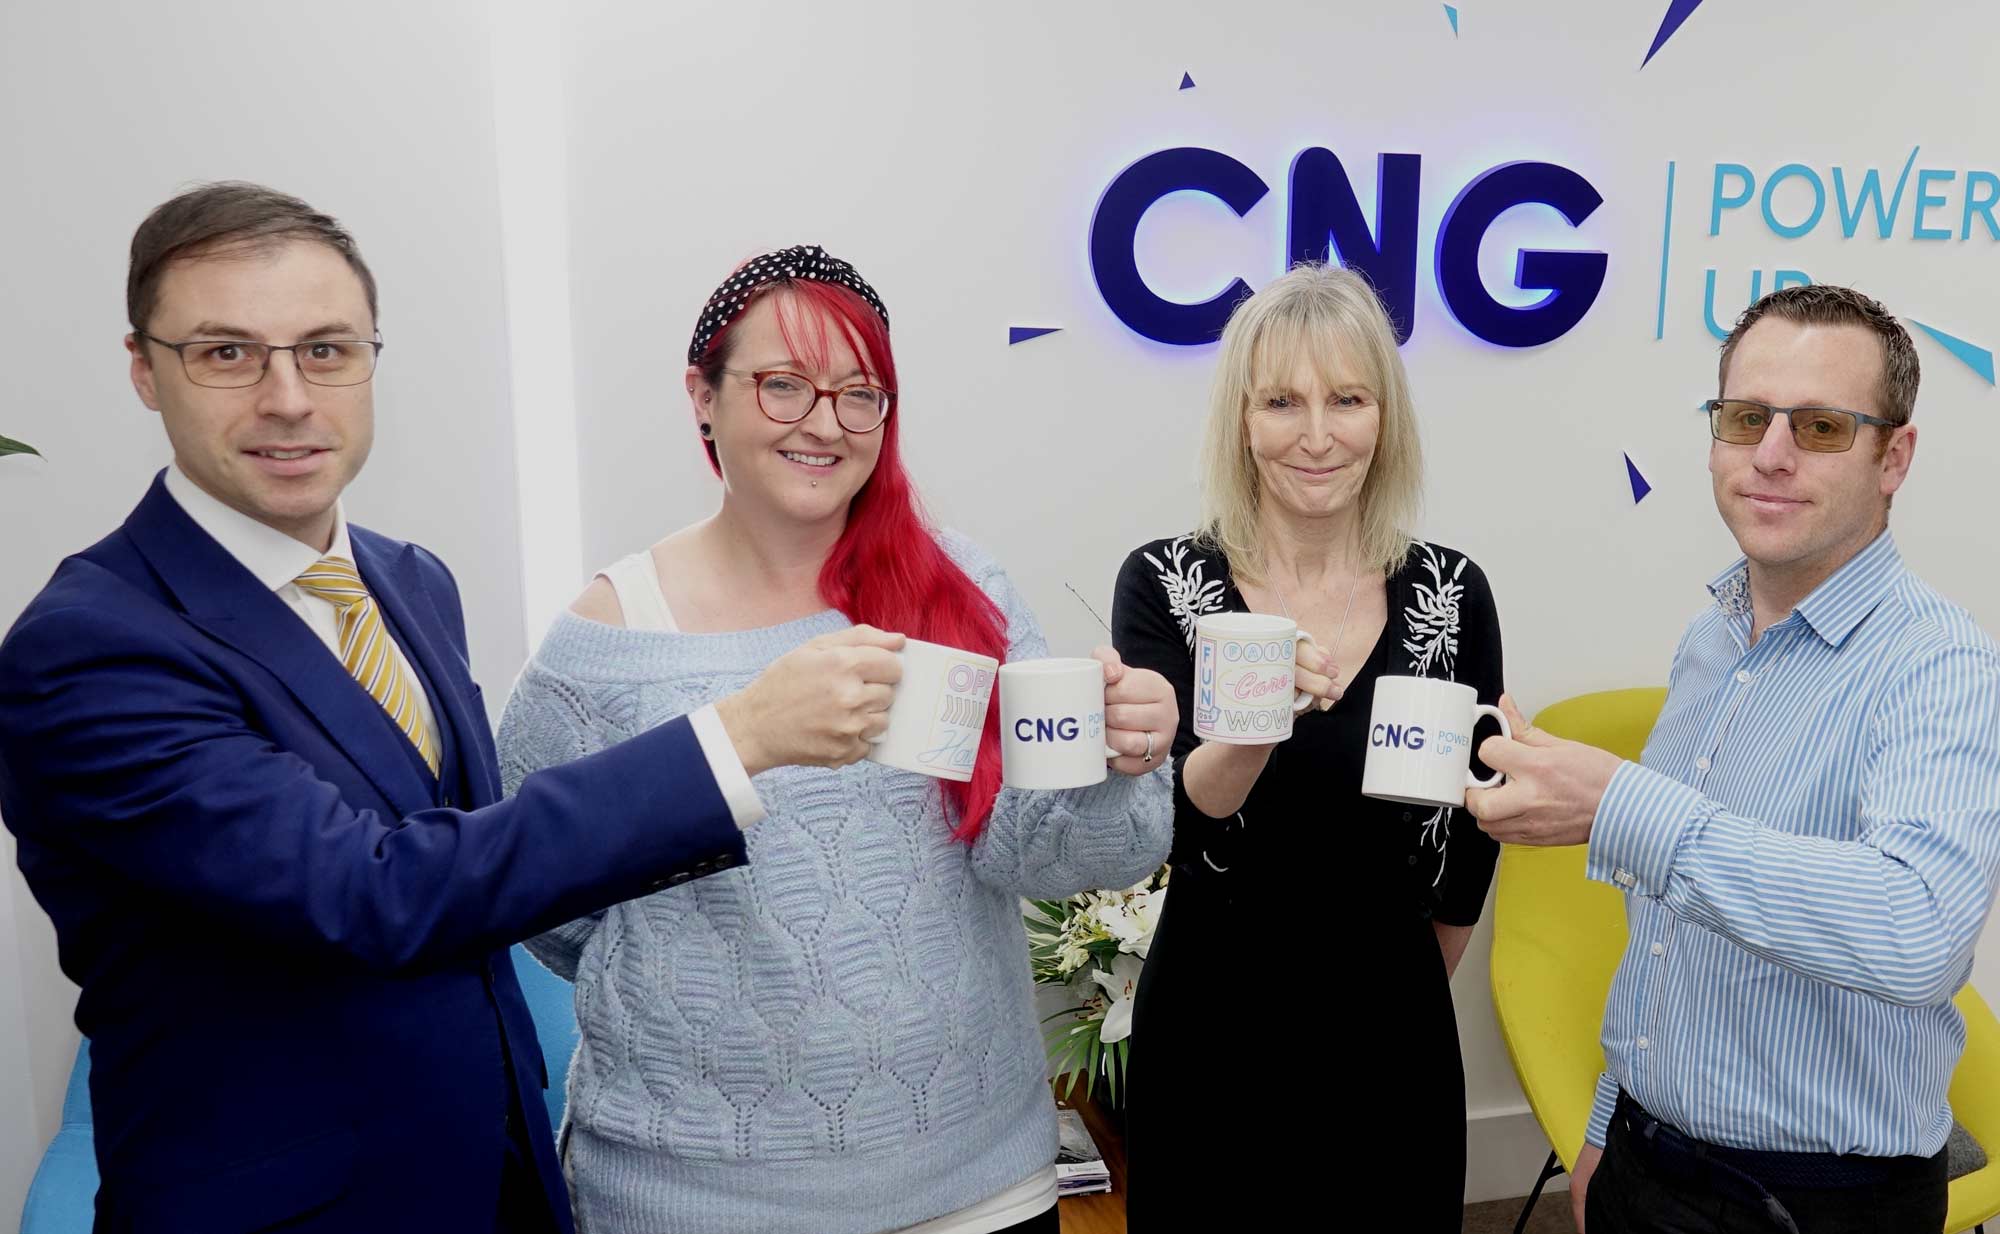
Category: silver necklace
<point>1333,650</point>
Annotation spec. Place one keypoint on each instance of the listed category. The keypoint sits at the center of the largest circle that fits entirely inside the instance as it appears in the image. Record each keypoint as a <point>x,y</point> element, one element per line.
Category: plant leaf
<point>9,446</point>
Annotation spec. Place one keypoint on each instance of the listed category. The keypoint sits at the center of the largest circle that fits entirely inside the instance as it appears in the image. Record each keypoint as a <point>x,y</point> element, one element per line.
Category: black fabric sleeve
<point>1469,869</point>
<point>1147,635</point>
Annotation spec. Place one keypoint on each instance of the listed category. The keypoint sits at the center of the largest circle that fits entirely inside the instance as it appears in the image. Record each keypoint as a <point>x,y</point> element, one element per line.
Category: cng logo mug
<point>1420,741</point>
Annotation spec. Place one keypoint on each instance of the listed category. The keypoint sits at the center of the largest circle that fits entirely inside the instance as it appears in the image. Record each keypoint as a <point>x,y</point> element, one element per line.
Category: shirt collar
<point>271,556</point>
<point>1837,605</point>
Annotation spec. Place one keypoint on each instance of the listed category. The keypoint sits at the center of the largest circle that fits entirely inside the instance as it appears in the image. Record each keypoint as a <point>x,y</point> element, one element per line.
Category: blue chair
<point>63,1197</point>
<point>552,1001</point>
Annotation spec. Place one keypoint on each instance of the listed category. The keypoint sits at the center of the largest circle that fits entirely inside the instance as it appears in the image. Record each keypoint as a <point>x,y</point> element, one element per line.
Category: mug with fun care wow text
<point>1243,669</point>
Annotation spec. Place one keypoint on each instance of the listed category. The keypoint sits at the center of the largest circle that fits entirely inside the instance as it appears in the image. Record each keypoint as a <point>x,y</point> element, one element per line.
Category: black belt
<point>1803,1171</point>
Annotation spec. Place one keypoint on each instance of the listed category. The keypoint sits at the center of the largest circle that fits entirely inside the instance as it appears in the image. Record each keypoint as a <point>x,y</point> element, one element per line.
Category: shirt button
<point>1743,676</point>
<point>1659,949</point>
<point>1701,764</point>
<point>1643,1043</point>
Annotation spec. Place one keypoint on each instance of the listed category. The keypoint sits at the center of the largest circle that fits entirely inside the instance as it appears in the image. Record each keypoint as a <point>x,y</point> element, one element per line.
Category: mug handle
<point>883,736</point>
<point>1506,730</point>
<point>1301,701</point>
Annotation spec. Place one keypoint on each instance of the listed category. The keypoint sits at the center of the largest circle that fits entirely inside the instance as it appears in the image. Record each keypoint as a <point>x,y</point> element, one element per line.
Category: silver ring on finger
<point>1149,745</point>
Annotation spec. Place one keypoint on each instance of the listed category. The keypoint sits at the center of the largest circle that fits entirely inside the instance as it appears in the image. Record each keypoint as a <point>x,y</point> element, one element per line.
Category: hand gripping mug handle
<point>1506,730</point>
<point>1301,701</point>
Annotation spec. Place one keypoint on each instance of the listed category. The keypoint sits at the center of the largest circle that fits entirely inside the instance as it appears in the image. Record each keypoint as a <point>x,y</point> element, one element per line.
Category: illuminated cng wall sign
<point>1325,222</point>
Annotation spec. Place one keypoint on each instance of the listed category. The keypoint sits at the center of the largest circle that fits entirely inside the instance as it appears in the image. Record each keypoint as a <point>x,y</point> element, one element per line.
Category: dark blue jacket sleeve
<point>121,748</point>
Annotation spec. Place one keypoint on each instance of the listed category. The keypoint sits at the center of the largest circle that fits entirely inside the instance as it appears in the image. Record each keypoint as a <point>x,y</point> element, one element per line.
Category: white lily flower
<point>1120,984</point>
<point>1145,914</point>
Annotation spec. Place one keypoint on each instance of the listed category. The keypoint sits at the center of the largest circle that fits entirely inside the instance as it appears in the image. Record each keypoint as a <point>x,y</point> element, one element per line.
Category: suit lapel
<point>398,586</point>
<point>227,602</point>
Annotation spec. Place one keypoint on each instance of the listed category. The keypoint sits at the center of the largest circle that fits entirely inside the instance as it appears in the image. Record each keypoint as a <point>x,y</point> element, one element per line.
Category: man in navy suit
<point>253,784</point>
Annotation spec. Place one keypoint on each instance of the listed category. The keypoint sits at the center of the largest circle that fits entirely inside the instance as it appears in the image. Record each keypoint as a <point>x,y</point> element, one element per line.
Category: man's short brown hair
<point>230,214</point>
<point>1821,304</point>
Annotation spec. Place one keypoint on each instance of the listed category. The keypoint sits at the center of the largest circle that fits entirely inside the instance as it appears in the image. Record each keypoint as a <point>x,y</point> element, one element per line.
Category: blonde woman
<point>1301,970</point>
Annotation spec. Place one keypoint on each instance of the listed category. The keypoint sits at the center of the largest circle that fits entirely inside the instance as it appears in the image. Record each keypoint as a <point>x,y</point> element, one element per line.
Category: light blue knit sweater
<point>839,1037</point>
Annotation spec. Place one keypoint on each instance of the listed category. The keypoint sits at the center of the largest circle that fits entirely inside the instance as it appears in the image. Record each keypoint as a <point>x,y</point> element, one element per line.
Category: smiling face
<point>808,471</point>
<point>1799,513</point>
<point>283,450</point>
<point>1311,430</point>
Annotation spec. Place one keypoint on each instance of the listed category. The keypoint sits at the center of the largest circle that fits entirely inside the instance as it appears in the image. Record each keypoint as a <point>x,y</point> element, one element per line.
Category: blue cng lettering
<point>1326,222</point>
<point>1064,729</point>
<point>1397,737</point>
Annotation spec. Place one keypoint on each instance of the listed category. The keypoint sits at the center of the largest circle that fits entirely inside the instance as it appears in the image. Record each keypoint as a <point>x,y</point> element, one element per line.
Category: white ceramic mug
<point>1052,723</point>
<point>1243,664</point>
<point>1420,741</point>
<point>939,711</point>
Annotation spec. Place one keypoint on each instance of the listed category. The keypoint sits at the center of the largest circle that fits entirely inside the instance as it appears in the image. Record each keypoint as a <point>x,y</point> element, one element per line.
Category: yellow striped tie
<point>366,651</point>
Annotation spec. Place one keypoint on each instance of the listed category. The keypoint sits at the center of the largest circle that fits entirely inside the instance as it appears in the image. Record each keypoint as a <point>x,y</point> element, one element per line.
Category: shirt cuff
<point>1601,1106</point>
<point>745,807</point>
<point>1639,824</point>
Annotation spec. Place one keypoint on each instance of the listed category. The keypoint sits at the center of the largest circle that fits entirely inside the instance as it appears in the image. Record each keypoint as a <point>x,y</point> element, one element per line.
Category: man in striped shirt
<point>1811,844</point>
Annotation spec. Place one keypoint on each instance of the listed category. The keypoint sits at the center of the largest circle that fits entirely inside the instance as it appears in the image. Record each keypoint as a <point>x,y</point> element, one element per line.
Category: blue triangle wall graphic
<point>1678,11</point>
<point>1978,359</point>
<point>1187,83</point>
<point>1021,334</point>
<point>1452,13</point>
<point>1639,486</point>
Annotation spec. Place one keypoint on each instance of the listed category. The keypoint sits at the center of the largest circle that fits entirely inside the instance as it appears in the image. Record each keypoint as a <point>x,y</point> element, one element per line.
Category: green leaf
<point>1103,951</point>
<point>9,446</point>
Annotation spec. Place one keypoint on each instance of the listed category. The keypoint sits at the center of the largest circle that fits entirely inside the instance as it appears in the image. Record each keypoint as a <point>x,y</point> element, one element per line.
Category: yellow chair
<point>1557,938</point>
<point>1975,1102</point>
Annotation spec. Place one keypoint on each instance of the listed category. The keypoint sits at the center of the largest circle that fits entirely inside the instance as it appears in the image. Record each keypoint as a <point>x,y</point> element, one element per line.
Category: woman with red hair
<point>839,1037</point>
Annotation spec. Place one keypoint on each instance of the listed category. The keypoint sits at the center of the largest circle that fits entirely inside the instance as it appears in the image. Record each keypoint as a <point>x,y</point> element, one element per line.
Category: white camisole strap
<point>636,581</point>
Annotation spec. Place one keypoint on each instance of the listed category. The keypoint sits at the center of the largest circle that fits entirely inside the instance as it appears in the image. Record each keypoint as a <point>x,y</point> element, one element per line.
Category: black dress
<point>1294,1052</point>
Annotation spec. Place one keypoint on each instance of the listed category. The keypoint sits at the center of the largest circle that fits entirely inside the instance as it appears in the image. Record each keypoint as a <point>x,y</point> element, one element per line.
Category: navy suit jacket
<point>290,937</point>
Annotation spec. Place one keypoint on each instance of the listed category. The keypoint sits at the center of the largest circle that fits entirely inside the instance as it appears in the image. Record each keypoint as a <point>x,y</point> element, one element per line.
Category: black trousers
<point>1653,1180</point>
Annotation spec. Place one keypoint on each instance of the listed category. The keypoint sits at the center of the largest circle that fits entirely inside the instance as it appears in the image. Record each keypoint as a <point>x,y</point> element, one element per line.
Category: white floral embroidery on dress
<point>1189,594</point>
<point>1431,639</point>
<point>1432,635</point>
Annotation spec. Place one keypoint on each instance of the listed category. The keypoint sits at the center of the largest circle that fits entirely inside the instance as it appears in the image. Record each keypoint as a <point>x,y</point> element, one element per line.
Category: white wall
<point>955,153</point>
<point>381,114</point>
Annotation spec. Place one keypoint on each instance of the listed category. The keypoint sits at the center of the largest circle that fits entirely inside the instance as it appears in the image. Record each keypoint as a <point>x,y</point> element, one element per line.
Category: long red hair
<point>887,569</point>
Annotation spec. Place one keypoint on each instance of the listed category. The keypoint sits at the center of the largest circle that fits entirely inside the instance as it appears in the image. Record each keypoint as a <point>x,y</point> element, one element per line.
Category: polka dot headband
<point>805,261</point>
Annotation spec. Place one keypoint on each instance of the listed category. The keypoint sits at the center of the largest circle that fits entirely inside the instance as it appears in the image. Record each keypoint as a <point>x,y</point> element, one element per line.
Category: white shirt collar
<point>273,557</point>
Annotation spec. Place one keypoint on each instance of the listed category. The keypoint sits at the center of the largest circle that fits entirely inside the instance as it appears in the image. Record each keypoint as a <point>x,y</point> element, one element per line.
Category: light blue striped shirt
<point>1809,850</point>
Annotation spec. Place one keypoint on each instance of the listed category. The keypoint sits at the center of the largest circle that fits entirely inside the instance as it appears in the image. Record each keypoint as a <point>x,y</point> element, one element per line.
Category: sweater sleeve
<point>1052,843</point>
<point>549,721</point>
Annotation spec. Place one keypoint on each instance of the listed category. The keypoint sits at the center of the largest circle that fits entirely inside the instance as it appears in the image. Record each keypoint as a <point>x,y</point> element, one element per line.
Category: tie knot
<point>335,580</point>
